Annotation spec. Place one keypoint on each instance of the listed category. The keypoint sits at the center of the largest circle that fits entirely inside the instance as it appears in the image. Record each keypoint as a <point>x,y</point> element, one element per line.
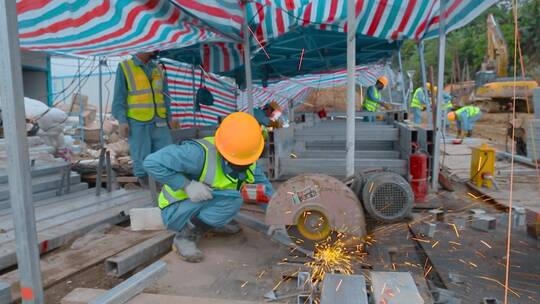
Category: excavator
<point>493,90</point>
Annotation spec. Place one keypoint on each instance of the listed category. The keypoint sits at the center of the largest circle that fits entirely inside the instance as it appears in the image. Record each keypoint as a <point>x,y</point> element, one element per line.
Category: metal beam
<point>139,254</point>
<point>247,60</point>
<point>131,287</point>
<point>402,78</point>
<point>344,289</point>
<point>440,101</point>
<point>422,69</point>
<point>12,102</point>
<point>351,84</point>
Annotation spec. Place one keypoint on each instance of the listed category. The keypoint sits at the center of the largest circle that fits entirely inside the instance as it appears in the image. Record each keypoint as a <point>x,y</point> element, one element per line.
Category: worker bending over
<point>465,118</point>
<point>141,106</point>
<point>420,102</point>
<point>373,99</point>
<point>202,178</point>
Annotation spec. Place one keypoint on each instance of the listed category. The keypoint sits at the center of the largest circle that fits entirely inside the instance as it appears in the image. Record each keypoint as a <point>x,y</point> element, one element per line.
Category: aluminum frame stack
<point>317,146</point>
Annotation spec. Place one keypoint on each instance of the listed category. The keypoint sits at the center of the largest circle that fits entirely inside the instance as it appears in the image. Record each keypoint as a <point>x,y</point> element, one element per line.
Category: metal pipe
<point>422,73</point>
<point>81,106</point>
<point>351,62</point>
<point>440,102</point>
<point>100,103</point>
<point>18,165</point>
<point>402,78</point>
<point>247,61</point>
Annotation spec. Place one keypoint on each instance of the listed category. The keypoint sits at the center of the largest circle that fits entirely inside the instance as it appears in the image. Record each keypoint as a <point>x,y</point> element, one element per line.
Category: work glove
<point>124,130</point>
<point>198,191</point>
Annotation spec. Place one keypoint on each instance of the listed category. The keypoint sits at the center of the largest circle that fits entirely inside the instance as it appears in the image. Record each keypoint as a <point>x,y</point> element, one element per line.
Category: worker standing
<point>141,106</point>
<point>465,118</point>
<point>446,108</point>
<point>373,99</point>
<point>420,102</point>
<point>202,179</point>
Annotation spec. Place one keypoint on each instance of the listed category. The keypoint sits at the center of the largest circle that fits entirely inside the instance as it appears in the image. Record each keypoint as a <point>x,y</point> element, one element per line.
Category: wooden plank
<point>344,289</point>
<point>394,288</point>
<point>66,263</point>
<point>85,295</point>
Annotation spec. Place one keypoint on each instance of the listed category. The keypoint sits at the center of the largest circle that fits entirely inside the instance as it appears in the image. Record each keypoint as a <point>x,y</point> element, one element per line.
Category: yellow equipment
<point>493,90</point>
<point>483,166</point>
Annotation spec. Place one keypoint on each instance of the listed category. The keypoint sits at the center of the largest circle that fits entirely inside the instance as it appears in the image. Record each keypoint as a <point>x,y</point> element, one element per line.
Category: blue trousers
<point>417,115</point>
<point>144,139</point>
<point>467,123</point>
<point>215,212</point>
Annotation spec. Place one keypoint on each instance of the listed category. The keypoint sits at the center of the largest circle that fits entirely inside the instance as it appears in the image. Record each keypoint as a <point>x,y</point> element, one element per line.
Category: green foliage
<point>469,43</point>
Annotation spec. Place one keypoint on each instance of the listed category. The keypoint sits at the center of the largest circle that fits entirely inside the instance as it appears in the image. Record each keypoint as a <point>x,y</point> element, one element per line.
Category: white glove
<point>198,191</point>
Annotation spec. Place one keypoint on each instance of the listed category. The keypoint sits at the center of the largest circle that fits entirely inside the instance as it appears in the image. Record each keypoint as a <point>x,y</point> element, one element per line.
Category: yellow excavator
<point>493,90</point>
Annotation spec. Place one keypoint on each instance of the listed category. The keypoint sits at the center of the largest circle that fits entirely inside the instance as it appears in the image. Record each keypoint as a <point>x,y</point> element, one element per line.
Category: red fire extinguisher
<point>418,170</point>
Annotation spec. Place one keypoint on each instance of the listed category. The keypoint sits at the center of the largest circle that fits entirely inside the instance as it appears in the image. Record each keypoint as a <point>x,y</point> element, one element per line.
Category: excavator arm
<point>497,48</point>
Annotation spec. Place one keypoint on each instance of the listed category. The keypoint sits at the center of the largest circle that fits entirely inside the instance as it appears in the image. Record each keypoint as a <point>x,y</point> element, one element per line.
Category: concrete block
<point>146,219</point>
<point>484,223</point>
<point>518,216</point>
<point>344,289</point>
<point>394,288</point>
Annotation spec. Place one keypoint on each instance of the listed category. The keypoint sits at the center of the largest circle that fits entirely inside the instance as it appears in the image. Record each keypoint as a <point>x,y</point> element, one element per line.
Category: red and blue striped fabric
<point>293,91</point>
<point>106,27</point>
<point>180,80</point>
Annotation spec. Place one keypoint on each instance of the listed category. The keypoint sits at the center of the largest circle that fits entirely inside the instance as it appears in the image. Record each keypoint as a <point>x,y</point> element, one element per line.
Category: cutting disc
<point>314,208</point>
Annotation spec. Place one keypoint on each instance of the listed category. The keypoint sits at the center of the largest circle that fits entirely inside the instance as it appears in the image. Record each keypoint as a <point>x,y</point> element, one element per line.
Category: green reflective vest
<point>372,105</point>
<point>212,175</point>
<point>145,97</point>
<point>470,110</point>
<point>416,102</point>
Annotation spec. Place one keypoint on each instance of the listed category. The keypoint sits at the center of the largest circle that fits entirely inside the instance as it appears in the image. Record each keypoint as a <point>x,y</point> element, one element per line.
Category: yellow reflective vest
<point>212,175</point>
<point>372,105</point>
<point>145,97</point>
<point>470,110</point>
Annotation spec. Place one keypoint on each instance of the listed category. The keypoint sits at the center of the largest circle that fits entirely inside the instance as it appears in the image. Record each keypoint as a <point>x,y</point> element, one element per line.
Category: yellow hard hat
<point>428,86</point>
<point>239,139</point>
<point>451,116</point>
<point>383,80</point>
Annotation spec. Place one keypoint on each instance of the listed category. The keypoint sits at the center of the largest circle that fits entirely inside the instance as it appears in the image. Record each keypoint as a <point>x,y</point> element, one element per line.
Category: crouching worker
<point>202,180</point>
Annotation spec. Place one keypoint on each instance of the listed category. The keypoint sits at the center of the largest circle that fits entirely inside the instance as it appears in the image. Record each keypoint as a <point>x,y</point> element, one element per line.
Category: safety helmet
<point>383,80</point>
<point>239,139</point>
<point>451,116</point>
<point>428,86</point>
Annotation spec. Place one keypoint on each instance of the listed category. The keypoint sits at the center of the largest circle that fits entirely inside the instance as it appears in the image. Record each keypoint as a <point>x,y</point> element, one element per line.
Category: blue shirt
<point>119,104</point>
<point>177,165</point>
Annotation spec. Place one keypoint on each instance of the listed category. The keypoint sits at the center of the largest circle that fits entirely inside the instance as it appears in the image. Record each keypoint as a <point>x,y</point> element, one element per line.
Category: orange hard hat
<point>239,139</point>
<point>383,80</point>
<point>451,116</point>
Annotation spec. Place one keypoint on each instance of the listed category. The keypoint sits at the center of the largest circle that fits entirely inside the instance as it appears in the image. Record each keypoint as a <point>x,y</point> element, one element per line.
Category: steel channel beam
<point>139,254</point>
<point>128,289</point>
<point>18,161</point>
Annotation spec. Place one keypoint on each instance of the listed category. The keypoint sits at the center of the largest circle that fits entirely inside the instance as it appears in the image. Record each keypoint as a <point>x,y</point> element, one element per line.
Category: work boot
<point>186,240</point>
<point>458,135</point>
<point>228,229</point>
<point>469,133</point>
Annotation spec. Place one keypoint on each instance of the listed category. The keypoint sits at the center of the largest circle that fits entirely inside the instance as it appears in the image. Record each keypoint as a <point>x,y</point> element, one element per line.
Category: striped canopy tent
<point>294,37</point>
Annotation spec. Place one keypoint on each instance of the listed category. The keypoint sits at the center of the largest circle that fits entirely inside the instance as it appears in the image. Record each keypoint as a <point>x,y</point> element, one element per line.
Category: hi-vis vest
<point>470,110</point>
<point>145,98</point>
<point>212,175</point>
<point>372,105</point>
<point>416,102</point>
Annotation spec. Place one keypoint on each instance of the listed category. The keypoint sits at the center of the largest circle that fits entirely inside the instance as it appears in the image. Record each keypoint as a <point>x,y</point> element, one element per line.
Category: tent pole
<point>247,62</point>
<point>440,85</point>
<point>351,105</point>
<point>422,66</point>
<point>18,165</point>
<point>101,60</point>
<point>402,77</point>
